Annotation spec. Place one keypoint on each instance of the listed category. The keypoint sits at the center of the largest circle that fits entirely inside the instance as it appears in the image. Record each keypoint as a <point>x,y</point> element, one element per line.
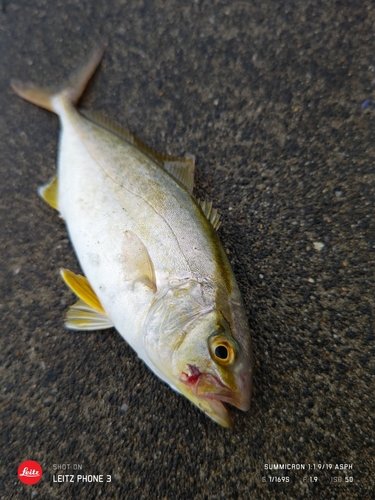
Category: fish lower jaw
<point>194,387</point>
<point>217,411</point>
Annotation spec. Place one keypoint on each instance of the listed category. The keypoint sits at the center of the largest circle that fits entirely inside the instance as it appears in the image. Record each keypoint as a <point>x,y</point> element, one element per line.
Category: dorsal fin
<point>211,213</point>
<point>182,169</point>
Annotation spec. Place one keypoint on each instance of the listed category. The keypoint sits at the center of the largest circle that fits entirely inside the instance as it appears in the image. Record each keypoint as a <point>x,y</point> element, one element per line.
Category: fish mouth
<point>210,395</point>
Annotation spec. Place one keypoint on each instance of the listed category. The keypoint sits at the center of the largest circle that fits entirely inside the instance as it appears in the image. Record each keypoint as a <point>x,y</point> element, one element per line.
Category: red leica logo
<point>30,472</point>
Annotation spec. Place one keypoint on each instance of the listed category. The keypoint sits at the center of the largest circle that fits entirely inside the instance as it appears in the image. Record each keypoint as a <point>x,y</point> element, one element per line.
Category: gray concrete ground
<point>277,102</point>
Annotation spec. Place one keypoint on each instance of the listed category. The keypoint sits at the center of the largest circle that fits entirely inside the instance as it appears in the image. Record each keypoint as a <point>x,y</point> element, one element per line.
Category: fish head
<point>212,368</point>
<point>200,344</point>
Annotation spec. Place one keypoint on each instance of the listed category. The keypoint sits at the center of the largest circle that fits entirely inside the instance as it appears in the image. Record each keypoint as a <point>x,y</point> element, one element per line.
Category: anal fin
<point>87,313</point>
<point>49,192</point>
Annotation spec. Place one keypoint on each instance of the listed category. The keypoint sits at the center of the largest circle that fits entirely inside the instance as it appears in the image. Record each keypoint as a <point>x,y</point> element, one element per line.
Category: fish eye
<point>221,352</point>
<point>223,349</point>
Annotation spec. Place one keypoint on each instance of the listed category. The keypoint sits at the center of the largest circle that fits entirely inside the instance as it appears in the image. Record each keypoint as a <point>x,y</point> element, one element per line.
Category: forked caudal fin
<point>71,89</point>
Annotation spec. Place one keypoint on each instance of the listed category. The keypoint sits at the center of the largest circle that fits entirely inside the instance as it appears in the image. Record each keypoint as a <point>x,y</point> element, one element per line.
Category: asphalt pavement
<point>277,102</point>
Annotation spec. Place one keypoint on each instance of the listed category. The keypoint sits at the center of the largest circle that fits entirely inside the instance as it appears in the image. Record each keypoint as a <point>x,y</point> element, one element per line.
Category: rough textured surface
<point>275,100</point>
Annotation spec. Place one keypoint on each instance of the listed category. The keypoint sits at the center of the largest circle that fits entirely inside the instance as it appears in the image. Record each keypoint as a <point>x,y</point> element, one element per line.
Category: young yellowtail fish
<point>153,263</point>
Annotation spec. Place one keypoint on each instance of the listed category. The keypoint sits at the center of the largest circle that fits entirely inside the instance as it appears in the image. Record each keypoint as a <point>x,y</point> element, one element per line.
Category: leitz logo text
<point>30,472</point>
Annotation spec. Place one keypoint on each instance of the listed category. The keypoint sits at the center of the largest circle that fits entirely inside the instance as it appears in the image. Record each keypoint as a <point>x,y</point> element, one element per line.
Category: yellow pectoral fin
<point>80,316</point>
<point>82,288</point>
<point>87,313</point>
<point>49,193</point>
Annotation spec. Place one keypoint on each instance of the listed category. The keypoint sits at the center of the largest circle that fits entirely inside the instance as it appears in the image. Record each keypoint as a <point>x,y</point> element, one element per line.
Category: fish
<point>153,265</point>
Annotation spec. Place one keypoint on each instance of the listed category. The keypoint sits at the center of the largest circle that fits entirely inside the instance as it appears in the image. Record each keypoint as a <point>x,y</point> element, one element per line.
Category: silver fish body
<point>153,261</point>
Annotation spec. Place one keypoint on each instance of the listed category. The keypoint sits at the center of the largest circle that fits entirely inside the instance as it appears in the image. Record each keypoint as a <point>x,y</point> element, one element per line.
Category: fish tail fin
<point>71,90</point>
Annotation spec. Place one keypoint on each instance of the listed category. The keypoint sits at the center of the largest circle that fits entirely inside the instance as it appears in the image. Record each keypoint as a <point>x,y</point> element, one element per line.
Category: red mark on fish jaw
<point>208,386</point>
<point>192,378</point>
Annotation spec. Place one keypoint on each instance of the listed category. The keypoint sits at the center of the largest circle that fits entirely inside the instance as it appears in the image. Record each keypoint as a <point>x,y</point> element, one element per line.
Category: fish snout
<point>209,386</point>
<point>244,388</point>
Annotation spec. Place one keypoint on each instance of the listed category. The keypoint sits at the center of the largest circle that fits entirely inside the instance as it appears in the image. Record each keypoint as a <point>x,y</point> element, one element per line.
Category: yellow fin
<point>137,261</point>
<point>80,316</point>
<point>49,192</point>
<point>71,89</point>
<point>82,288</point>
<point>182,169</point>
<point>211,213</point>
